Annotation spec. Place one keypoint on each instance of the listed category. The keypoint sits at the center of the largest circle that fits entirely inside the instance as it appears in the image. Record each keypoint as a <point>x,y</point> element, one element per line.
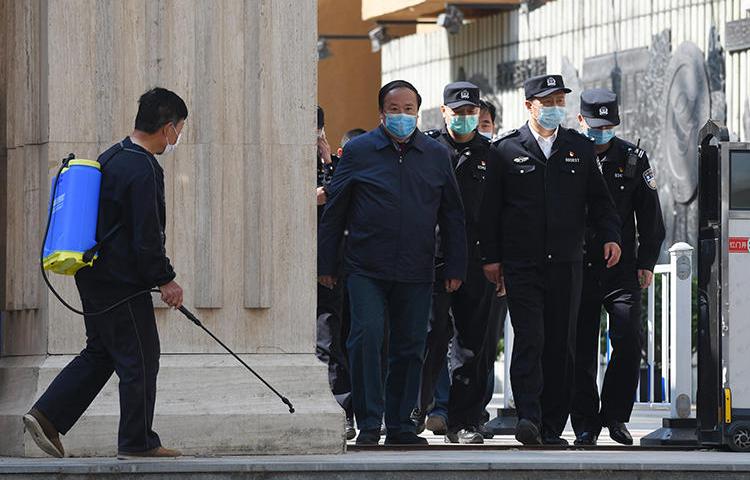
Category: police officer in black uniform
<point>469,304</point>
<point>631,182</point>
<point>542,179</point>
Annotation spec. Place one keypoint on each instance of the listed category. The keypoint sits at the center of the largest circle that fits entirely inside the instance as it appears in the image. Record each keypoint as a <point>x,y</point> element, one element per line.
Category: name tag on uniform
<point>520,159</point>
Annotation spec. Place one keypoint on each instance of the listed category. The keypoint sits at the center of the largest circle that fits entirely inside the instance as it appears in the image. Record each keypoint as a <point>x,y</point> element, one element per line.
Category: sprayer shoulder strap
<point>89,254</point>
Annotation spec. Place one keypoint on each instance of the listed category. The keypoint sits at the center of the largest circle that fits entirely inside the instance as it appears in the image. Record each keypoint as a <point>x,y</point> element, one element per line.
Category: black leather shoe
<point>527,433</point>
<point>368,437</point>
<point>466,436</point>
<point>586,439</point>
<point>418,417</point>
<point>554,440</point>
<point>487,434</point>
<point>619,433</point>
<point>405,438</point>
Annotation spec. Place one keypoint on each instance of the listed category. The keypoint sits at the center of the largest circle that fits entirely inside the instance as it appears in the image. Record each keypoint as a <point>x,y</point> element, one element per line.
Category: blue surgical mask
<point>401,125</point>
<point>487,135</point>
<point>551,117</point>
<point>463,124</point>
<point>599,136</point>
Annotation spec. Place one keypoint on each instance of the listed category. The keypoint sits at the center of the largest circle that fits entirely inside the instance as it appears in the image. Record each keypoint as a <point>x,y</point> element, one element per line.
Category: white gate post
<point>680,316</point>
<point>508,353</point>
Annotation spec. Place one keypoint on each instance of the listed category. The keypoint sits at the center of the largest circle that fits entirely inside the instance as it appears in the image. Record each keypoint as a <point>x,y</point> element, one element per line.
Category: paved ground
<point>642,423</point>
<point>654,464</point>
<point>501,458</point>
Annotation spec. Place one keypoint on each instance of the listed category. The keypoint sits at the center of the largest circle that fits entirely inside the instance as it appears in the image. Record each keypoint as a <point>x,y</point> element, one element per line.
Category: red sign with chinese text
<point>738,244</point>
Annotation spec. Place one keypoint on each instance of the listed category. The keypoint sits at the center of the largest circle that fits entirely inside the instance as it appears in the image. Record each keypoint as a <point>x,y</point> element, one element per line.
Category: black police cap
<point>543,85</point>
<point>460,94</point>
<point>599,108</point>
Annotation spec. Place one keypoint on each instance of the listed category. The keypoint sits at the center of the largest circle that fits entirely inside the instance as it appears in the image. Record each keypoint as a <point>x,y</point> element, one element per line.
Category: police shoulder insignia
<point>649,178</point>
<point>434,133</point>
<point>505,135</point>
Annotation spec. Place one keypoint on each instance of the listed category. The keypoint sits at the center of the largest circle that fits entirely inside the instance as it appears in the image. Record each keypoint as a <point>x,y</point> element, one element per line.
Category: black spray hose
<point>195,320</point>
<point>182,309</point>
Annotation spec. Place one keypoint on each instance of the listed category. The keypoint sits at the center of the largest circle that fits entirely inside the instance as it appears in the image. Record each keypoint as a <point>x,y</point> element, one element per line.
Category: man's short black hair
<point>158,107</point>
<point>354,132</point>
<point>485,105</point>
<point>321,117</point>
<point>394,85</point>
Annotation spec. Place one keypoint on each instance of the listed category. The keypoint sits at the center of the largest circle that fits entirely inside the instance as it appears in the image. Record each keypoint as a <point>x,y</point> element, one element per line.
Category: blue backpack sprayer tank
<point>74,200</point>
<point>70,237</point>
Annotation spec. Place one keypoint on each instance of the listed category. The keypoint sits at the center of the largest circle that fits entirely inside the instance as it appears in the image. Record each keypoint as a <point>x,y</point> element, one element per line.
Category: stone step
<point>456,464</point>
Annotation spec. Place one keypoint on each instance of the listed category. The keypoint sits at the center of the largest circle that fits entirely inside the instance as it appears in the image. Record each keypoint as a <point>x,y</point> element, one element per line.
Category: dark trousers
<point>543,300</point>
<point>124,341</point>
<point>332,331</point>
<point>470,309</point>
<point>405,307</point>
<point>442,393</point>
<point>621,378</point>
<point>495,329</point>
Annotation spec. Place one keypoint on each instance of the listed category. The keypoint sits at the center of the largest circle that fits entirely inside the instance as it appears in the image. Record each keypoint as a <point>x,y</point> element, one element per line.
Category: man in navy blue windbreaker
<point>392,187</point>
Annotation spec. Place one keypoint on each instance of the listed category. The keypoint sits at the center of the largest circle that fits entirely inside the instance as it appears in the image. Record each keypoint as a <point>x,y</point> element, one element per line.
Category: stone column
<point>241,220</point>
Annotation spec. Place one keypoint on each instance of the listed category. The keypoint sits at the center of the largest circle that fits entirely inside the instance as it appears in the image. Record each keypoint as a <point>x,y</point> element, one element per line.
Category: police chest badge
<point>520,159</point>
<point>650,179</point>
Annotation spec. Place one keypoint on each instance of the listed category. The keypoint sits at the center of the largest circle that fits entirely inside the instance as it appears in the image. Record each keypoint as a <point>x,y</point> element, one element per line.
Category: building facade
<point>674,64</point>
<point>241,216</point>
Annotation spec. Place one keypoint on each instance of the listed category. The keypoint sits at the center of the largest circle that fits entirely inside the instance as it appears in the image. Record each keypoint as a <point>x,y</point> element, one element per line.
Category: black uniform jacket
<point>638,206</point>
<point>134,258</point>
<point>535,208</point>
<point>470,164</point>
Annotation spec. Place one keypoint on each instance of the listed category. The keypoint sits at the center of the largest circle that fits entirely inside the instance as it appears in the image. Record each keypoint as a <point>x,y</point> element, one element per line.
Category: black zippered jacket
<point>134,257</point>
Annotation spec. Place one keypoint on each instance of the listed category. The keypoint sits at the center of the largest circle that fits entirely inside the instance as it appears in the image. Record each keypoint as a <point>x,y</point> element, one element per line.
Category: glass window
<point>739,178</point>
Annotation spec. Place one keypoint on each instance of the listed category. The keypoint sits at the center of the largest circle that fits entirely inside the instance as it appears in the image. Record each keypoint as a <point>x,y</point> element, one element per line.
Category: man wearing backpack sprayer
<point>132,258</point>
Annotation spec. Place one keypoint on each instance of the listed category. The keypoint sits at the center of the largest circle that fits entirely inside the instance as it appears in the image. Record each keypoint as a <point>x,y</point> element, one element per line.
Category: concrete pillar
<point>240,212</point>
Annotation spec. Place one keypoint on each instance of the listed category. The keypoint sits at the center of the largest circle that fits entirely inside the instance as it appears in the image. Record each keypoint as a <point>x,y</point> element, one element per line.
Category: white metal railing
<point>676,340</point>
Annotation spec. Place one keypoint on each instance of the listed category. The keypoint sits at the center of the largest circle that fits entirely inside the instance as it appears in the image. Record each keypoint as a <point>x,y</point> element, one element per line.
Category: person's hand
<point>500,289</point>
<point>324,150</point>
<point>494,273</point>
<point>452,284</point>
<point>322,197</point>
<point>328,281</point>
<point>171,294</point>
<point>645,277</point>
<point>612,253</point>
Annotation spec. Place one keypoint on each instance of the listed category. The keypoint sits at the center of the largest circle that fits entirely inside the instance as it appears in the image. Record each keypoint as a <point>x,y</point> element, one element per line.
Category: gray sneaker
<point>350,431</point>
<point>466,436</point>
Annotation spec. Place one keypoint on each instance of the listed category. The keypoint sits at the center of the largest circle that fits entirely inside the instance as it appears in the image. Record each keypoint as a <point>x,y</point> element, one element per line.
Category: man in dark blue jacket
<point>392,187</point>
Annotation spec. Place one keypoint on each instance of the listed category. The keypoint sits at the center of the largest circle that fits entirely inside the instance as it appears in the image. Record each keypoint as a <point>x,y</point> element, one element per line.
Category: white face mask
<point>487,135</point>
<point>171,147</point>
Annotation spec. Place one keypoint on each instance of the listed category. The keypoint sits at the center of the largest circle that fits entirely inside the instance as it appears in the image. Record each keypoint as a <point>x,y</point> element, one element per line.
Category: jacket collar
<point>418,139</point>
<point>530,143</point>
<point>616,152</point>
